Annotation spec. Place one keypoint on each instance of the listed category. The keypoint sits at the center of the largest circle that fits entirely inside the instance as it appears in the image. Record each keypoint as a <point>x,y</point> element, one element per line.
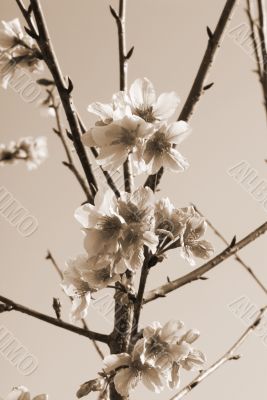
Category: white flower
<point>119,108</point>
<point>33,151</point>
<point>103,225</point>
<point>98,272</point>
<point>119,139</point>
<point>22,393</point>
<point>76,288</point>
<point>170,221</point>
<point>159,151</point>
<point>8,68</point>
<point>190,240</point>
<point>17,50</point>
<point>119,228</point>
<point>145,104</point>
<point>131,369</point>
<point>137,209</point>
<point>8,153</point>
<point>161,347</point>
<point>11,35</point>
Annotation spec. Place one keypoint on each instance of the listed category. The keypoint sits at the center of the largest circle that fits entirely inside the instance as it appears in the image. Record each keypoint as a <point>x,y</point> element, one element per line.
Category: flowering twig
<point>253,35</point>
<point>238,259</point>
<point>44,42</point>
<point>199,272</point>
<point>85,326</point>
<point>198,86</point>
<point>53,321</point>
<point>228,356</point>
<point>123,61</point>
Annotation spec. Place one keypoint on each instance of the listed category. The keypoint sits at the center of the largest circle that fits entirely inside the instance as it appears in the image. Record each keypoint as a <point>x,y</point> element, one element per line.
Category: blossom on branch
<point>156,359</point>
<point>22,393</point>
<point>135,125</point>
<point>17,50</point>
<point>31,150</point>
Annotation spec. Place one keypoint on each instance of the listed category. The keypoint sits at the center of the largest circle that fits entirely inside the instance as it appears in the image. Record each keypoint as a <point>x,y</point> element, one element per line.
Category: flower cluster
<point>17,50</point>
<point>116,232</point>
<point>135,125</point>
<point>31,150</point>
<point>22,393</point>
<point>156,360</point>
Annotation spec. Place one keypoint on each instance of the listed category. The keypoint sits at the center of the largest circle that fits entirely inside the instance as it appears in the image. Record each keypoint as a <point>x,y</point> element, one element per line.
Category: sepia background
<point>229,125</point>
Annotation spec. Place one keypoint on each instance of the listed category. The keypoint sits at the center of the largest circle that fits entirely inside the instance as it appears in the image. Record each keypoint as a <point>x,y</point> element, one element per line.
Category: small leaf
<point>45,82</point>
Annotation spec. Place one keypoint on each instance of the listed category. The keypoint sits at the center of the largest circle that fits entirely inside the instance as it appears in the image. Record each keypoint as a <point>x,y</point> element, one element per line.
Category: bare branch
<point>228,356</point>
<point>199,272</point>
<point>54,321</point>
<point>123,63</point>
<point>48,54</point>
<point>199,82</point>
<point>238,259</point>
<point>70,164</point>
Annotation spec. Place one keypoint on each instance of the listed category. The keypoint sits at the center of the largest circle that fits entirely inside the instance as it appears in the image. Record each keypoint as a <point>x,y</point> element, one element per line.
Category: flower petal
<point>126,380</point>
<point>178,131</point>
<point>142,93</point>
<point>166,105</point>
<point>115,361</point>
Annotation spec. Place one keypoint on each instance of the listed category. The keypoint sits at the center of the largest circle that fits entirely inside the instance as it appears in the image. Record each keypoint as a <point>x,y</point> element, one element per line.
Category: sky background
<point>229,125</point>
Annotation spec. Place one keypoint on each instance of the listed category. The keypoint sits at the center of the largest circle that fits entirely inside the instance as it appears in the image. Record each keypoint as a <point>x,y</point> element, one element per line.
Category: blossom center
<point>158,144</point>
<point>146,114</point>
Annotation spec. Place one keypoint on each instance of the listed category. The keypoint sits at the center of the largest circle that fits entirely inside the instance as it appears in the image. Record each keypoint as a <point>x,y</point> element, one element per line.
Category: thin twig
<point>85,326</point>
<point>228,356</point>
<point>252,24</point>
<point>54,321</point>
<point>238,259</point>
<point>163,290</point>
<point>199,82</point>
<point>69,164</point>
<point>44,42</point>
<point>123,65</point>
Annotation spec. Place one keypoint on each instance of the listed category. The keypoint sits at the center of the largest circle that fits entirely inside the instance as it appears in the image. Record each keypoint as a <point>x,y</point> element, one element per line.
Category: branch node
<point>209,32</point>
<point>113,13</point>
<point>130,53</point>
<point>70,86</point>
<point>207,87</point>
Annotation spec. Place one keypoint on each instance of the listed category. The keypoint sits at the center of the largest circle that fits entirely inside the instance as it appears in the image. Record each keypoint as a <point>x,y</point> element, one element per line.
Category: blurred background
<point>229,125</point>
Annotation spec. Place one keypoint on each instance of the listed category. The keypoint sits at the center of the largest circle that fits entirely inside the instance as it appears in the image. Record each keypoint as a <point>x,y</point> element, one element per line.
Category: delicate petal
<point>19,393</point>
<point>174,378</point>
<point>166,105</point>
<point>191,336</point>
<point>174,161</point>
<point>104,111</point>
<point>88,140</point>
<point>171,330</point>
<point>126,380</point>
<point>151,241</point>
<point>41,397</point>
<point>115,361</point>
<point>142,93</point>
<point>153,379</point>
<point>178,131</point>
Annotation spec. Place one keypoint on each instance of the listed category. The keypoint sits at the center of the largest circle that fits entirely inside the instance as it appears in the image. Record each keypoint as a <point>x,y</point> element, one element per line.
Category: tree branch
<point>229,355</point>
<point>85,326</point>
<point>123,65</point>
<point>69,164</point>
<point>44,42</point>
<point>238,259</point>
<point>199,272</point>
<point>54,321</point>
<point>199,82</point>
